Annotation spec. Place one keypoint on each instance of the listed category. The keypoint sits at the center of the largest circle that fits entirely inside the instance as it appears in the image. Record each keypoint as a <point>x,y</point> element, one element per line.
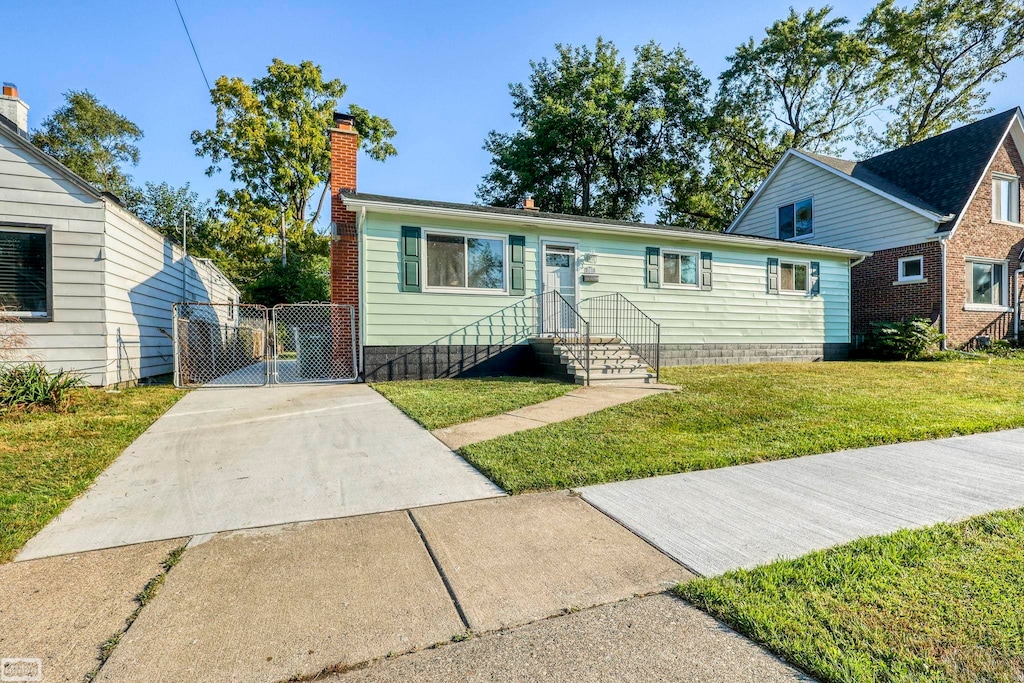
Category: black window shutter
<point>773,276</point>
<point>815,277</point>
<point>410,260</point>
<point>653,280</point>
<point>517,265</point>
<point>705,270</point>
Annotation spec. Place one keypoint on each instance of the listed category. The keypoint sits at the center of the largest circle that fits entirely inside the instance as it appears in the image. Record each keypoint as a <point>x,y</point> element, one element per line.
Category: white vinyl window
<point>24,272</point>
<point>471,263</point>
<point>911,269</point>
<point>796,219</point>
<point>680,268</point>
<point>794,277</point>
<point>986,284</point>
<point>1006,199</point>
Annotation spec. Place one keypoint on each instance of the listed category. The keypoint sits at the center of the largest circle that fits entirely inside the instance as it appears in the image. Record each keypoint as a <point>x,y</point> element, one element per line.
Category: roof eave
<point>756,243</point>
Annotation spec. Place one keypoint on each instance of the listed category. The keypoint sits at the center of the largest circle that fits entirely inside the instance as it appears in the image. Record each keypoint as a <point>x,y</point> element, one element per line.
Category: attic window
<point>1006,199</point>
<point>796,219</point>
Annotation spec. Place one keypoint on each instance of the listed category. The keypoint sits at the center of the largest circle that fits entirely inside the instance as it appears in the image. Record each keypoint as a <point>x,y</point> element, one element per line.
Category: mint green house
<point>447,289</point>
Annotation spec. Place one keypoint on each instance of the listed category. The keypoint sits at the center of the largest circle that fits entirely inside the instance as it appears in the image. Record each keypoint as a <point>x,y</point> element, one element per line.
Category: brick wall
<point>345,245</point>
<point>978,235</point>
<point>877,297</point>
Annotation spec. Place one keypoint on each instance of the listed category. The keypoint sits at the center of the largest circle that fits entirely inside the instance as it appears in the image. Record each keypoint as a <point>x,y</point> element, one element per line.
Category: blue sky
<point>439,71</point>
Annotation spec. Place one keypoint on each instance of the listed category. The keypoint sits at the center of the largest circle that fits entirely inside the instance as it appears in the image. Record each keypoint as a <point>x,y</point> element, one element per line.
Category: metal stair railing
<point>616,316</point>
<point>571,330</point>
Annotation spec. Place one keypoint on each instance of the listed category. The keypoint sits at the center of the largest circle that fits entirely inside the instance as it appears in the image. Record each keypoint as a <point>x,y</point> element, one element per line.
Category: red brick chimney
<point>344,241</point>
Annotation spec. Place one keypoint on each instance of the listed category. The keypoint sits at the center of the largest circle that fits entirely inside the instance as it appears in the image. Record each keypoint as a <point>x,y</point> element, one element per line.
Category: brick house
<point>941,218</point>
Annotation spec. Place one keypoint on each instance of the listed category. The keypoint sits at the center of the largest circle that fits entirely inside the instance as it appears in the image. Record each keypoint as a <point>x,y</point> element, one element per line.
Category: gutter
<point>943,243</point>
<point>712,238</point>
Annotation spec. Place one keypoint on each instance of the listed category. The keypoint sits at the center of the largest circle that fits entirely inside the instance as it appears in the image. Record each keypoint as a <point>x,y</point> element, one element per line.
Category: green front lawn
<point>730,415</point>
<point>440,403</point>
<point>939,604</point>
<point>46,458</point>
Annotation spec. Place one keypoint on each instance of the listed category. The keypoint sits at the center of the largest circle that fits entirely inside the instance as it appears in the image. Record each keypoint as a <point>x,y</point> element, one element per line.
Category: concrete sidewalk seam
<point>440,571</point>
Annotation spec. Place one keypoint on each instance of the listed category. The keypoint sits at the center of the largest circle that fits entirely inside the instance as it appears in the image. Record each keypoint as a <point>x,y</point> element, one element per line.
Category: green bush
<point>908,340</point>
<point>32,386</point>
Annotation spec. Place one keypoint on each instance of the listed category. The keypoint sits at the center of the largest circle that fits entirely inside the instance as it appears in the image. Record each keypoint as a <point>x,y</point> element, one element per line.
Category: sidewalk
<point>583,401</point>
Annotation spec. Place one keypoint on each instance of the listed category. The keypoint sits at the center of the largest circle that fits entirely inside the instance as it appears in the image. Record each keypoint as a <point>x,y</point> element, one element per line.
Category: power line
<point>201,69</point>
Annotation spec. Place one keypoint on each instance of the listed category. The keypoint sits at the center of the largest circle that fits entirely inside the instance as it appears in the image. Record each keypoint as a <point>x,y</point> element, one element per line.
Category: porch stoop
<point>611,361</point>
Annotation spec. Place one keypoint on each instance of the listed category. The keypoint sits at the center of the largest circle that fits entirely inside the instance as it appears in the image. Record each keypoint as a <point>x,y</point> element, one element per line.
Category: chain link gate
<point>248,345</point>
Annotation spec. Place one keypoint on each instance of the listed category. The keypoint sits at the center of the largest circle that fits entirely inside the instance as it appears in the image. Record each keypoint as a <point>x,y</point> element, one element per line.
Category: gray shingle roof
<point>938,174</point>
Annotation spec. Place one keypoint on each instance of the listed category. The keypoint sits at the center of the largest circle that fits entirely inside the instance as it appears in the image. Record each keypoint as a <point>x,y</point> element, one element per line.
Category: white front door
<point>560,276</point>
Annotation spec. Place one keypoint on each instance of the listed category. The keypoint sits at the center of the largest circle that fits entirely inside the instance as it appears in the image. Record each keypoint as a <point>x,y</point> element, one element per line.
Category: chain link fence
<point>250,345</point>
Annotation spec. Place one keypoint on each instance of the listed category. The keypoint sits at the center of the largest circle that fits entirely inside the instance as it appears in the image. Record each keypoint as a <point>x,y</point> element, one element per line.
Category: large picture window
<point>679,268</point>
<point>465,262</point>
<point>24,272</point>
<point>796,219</point>
<point>986,284</point>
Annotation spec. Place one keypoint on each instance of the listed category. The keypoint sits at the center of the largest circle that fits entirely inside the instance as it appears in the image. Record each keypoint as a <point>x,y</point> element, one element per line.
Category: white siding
<point>845,214</point>
<point>143,280</point>
<point>113,277</point>
<point>737,310</point>
<point>31,192</point>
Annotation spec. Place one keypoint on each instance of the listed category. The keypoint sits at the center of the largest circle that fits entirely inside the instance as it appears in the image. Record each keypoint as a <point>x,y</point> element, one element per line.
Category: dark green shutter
<point>705,270</point>
<point>653,268</point>
<point>409,278</point>
<point>517,265</point>
<point>815,276</point>
<point>773,276</point>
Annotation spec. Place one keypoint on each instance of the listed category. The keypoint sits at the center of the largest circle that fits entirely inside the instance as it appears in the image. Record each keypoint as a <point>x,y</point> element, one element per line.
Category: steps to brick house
<point>611,361</point>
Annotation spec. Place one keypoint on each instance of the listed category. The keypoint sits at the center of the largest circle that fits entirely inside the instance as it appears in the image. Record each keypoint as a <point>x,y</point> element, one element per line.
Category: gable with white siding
<point>846,214</point>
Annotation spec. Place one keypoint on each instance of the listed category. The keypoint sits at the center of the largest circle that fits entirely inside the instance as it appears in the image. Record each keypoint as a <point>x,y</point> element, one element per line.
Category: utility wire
<point>201,69</point>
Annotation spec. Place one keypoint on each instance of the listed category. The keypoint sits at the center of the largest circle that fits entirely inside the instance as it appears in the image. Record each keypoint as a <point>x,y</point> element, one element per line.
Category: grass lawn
<point>46,459</point>
<point>729,415</point>
<point>440,403</point>
<point>939,604</point>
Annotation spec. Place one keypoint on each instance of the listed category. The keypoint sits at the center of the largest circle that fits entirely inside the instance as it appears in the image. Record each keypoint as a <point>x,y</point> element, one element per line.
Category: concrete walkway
<point>717,520</point>
<point>224,459</point>
<point>583,401</point>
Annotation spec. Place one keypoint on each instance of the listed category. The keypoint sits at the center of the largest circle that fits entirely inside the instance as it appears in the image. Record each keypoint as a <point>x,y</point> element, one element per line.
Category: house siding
<point>977,235</point>
<point>845,214</point>
<point>879,297</point>
<point>737,311</point>
<point>32,193</point>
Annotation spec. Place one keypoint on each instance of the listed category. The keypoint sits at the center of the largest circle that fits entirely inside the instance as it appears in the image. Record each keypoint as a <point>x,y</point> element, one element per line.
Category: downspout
<point>942,307</point>
<point>1016,297</point>
<point>361,286</point>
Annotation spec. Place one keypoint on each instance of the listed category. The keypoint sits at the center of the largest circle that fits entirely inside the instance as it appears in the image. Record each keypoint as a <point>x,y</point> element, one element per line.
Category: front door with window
<point>559,276</point>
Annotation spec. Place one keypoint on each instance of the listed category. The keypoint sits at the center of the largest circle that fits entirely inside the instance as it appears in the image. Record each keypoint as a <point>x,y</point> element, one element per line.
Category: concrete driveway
<point>226,459</point>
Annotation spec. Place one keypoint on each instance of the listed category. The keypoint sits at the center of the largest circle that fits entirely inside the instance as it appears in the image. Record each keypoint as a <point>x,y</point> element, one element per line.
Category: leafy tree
<point>940,54</point>
<point>94,141</point>
<point>271,133</point>
<point>162,205</point>
<point>597,138</point>
<point>809,83</point>
<point>306,278</point>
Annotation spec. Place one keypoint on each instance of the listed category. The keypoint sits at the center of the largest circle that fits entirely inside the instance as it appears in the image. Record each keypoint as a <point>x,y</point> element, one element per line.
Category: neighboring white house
<point>92,283</point>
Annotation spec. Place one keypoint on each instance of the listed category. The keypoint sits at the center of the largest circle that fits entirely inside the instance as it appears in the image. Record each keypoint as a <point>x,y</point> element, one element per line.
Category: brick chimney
<point>13,107</point>
<point>344,240</point>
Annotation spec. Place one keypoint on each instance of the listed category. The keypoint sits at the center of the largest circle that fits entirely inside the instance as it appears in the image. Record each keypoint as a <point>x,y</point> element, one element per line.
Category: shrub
<point>32,386</point>
<point>907,340</point>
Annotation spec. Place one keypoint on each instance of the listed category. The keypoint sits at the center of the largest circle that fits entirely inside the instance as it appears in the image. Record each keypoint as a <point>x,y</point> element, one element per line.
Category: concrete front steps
<point>611,361</point>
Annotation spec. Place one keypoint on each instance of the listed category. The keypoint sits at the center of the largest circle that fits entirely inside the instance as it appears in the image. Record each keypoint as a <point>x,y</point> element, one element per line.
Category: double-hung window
<point>465,262</point>
<point>24,272</point>
<point>793,277</point>
<point>986,284</point>
<point>680,268</point>
<point>1006,199</point>
<point>796,219</point>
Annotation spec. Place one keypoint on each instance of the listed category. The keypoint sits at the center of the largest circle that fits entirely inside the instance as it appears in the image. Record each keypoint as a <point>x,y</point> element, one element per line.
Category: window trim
<point>996,177</point>
<point>47,229</point>
<point>806,291</point>
<point>679,285</point>
<point>778,225</point>
<point>467,235</point>
<point>1002,307</point>
<point>900,277</point>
